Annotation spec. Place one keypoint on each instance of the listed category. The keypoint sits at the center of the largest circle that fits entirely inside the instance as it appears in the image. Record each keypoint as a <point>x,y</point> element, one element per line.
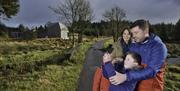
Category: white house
<point>64,31</point>
<point>57,30</point>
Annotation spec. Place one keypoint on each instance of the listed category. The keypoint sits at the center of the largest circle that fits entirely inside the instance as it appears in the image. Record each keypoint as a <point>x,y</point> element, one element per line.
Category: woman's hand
<point>107,58</point>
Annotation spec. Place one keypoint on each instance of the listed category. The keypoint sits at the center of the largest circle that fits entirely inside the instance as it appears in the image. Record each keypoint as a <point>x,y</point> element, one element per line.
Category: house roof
<point>62,26</point>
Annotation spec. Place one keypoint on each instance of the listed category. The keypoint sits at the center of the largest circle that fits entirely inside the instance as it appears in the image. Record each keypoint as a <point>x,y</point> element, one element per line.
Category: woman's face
<point>129,62</point>
<point>126,35</point>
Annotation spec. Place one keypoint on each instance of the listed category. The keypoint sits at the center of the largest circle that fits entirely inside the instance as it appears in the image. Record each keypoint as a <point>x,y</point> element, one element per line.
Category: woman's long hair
<point>121,39</point>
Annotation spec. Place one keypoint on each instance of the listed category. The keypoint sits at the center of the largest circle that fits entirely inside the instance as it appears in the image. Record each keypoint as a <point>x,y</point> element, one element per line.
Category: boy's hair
<point>136,56</point>
<point>142,24</point>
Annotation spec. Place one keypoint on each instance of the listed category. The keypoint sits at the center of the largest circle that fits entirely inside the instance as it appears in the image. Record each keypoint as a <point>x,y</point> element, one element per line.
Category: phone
<point>108,49</point>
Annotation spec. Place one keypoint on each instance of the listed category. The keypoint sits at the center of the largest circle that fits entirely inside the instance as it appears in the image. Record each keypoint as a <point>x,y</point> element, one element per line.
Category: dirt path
<point>93,59</point>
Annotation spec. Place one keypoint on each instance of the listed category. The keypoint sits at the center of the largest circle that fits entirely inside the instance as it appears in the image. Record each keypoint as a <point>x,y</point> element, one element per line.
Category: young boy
<point>110,68</point>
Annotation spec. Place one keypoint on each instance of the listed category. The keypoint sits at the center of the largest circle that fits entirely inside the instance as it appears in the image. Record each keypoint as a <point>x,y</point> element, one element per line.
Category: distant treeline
<point>168,32</point>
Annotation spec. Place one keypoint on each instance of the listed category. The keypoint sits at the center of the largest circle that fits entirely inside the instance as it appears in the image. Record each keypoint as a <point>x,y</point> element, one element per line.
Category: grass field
<point>37,66</point>
<point>172,78</point>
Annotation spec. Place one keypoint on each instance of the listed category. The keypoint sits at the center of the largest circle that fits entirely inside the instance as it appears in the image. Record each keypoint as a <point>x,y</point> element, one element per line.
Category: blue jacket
<point>153,52</point>
<point>109,70</point>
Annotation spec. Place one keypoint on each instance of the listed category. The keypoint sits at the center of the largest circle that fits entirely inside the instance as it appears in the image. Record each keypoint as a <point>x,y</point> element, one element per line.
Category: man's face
<point>138,35</point>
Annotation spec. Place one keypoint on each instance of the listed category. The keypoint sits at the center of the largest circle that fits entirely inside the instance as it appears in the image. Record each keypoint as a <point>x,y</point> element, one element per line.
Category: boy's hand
<point>107,58</point>
<point>116,60</point>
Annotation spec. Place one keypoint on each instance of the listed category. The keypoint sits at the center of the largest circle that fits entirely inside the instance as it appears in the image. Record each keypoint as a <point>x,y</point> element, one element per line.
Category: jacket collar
<point>147,39</point>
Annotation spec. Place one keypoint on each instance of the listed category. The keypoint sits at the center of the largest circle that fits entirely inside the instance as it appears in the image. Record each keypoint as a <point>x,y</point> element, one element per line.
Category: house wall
<point>64,35</point>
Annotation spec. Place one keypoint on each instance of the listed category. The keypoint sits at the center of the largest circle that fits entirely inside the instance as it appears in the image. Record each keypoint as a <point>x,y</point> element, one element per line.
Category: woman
<point>125,40</point>
<point>121,47</point>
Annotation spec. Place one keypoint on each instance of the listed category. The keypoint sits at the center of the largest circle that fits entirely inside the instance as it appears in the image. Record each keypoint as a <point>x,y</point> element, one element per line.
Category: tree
<point>3,31</point>
<point>40,31</point>
<point>72,12</point>
<point>29,34</point>
<point>114,16</point>
<point>165,31</point>
<point>8,8</point>
<point>177,31</point>
<point>22,28</point>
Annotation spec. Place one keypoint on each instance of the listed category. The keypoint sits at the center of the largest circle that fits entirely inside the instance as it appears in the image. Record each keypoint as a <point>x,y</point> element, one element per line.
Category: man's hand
<point>107,57</point>
<point>118,78</point>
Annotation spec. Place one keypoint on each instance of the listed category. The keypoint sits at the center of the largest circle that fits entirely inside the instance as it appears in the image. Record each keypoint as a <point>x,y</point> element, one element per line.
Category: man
<point>153,52</point>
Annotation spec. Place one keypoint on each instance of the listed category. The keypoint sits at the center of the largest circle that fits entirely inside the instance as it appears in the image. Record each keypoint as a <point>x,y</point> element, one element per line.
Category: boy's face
<point>129,62</point>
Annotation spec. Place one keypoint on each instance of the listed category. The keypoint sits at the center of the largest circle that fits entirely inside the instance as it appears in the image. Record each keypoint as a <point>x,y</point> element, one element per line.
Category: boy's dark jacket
<point>109,70</point>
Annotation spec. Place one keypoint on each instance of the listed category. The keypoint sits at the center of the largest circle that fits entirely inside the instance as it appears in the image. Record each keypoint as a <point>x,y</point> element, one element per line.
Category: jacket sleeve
<point>104,72</point>
<point>158,56</point>
<point>108,70</point>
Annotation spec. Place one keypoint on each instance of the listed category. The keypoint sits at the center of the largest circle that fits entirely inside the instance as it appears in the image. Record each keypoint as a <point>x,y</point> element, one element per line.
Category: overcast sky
<point>36,12</point>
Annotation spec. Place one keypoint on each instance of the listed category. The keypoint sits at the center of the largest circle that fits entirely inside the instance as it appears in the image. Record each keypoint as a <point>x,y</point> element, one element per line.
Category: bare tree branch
<point>114,16</point>
<point>74,13</point>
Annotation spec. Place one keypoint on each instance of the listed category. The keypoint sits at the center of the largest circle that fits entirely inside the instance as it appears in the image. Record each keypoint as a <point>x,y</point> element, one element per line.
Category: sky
<point>36,12</point>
